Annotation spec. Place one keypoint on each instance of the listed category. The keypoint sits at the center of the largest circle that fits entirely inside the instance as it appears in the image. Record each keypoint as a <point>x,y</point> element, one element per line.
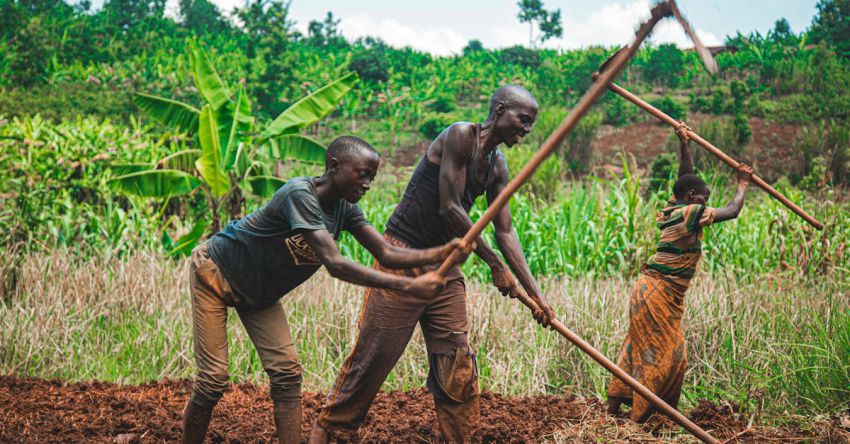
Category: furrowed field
<point>107,183</point>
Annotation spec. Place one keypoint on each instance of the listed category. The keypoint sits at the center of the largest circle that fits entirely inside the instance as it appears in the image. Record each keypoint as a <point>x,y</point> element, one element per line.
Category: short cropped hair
<point>687,183</point>
<point>510,95</point>
<point>344,147</point>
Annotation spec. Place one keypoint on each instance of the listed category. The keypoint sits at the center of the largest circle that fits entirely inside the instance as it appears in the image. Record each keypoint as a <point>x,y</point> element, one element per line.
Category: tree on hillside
<point>202,16</point>
<point>325,33</point>
<point>370,62</point>
<point>832,25</point>
<point>268,31</point>
<point>665,65</point>
<point>128,15</point>
<point>548,22</point>
<point>473,46</point>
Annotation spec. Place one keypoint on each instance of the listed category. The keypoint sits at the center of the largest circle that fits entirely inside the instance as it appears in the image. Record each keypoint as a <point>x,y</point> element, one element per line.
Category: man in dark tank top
<point>461,164</point>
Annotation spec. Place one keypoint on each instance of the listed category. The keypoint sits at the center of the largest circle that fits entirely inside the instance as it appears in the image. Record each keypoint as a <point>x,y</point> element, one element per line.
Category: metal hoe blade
<point>704,54</point>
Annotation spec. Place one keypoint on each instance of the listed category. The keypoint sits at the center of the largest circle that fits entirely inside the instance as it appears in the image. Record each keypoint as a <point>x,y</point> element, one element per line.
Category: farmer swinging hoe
<point>603,80</point>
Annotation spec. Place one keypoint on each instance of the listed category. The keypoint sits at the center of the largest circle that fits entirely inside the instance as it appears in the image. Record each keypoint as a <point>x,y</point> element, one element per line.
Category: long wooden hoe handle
<point>615,370</point>
<point>714,150</point>
<point>659,11</point>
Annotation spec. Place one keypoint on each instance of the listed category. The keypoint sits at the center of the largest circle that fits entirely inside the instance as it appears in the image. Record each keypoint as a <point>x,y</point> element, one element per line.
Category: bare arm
<point>731,211</point>
<point>686,158</point>
<point>508,242</point>
<point>456,152</point>
<point>391,256</point>
<point>339,267</point>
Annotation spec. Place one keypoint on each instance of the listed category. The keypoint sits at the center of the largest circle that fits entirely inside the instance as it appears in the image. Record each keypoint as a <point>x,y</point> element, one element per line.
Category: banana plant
<point>233,156</point>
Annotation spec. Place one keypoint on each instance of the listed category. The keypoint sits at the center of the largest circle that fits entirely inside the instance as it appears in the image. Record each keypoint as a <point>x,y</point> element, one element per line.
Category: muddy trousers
<point>267,328</point>
<point>386,325</point>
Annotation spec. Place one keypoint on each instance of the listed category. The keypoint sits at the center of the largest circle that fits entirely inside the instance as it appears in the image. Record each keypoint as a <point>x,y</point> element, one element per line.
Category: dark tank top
<point>416,220</point>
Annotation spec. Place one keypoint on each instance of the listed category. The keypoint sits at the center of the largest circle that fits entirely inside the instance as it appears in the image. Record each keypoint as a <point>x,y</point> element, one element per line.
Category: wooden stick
<point>714,150</point>
<point>658,12</point>
<point>615,370</point>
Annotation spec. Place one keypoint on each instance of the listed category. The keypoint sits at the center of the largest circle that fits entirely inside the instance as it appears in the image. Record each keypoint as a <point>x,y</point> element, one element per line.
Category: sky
<point>444,27</point>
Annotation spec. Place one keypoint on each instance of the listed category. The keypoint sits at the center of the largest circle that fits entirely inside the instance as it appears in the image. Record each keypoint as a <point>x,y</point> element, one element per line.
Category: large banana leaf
<point>265,186</point>
<point>234,122</point>
<point>182,160</point>
<point>168,112</point>
<point>120,169</point>
<point>312,108</point>
<point>296,147</point>
<point>155,183</point>
<point>209,84</point>
<point>209,164</point>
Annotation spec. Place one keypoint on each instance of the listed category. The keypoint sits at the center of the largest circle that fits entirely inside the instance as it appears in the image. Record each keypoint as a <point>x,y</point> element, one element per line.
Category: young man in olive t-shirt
<point>255,261</point>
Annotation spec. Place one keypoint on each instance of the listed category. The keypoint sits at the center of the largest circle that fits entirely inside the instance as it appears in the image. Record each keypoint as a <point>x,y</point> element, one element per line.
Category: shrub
<point>718,102</point>
<point>434,124</point>
<point>370,65</point>
<point>698,103</point>
<point>671,107</point>
<point>520,55</point>
<point>615,111</point>
<point>662,170</point>
<point>743,133</point>
<point>665,65</point>
<point>738,91</point>
<point>443,103</point>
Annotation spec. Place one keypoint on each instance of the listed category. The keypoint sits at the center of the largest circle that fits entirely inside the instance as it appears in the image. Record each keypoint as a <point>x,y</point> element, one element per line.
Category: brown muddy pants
<point>267,328</point>
<point>386,325</point>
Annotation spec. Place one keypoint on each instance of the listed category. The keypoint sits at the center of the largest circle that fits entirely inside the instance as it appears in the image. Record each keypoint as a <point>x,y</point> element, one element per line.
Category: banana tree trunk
<point>234,204</point>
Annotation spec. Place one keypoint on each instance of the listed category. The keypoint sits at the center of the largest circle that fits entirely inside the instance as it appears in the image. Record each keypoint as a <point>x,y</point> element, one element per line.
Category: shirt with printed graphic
<point>265,255</point>
<point>678,222</point>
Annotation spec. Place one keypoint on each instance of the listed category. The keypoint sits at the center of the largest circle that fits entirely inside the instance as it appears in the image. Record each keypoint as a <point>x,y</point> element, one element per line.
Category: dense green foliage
<point>53,53</point>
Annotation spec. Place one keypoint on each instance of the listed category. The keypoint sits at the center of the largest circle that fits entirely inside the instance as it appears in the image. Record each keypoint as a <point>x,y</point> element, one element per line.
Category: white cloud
<point>614,24</point>
<point>434,39</point>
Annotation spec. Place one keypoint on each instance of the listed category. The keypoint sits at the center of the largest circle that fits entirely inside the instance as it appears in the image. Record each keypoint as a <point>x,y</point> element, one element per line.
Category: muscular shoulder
<point>459,138</point>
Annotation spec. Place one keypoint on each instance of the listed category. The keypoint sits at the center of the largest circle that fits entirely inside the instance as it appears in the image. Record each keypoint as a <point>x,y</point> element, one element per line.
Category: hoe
<point>659,11</point>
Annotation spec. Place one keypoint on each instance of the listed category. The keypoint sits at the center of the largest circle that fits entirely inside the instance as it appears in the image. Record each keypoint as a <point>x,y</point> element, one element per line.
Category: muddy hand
<point>460,253</point>
<point>427,285</point>
<point>545,315</point>
<point>503,279</point>
<point>745,174</point>
<point>682,132</point>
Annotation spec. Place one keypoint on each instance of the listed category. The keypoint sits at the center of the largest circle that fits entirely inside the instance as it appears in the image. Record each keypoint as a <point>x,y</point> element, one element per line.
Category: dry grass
<point>128,320</point>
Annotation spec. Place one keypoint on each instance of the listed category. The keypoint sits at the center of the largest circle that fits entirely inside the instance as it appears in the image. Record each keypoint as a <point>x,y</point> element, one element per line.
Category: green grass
<point>778,339</point>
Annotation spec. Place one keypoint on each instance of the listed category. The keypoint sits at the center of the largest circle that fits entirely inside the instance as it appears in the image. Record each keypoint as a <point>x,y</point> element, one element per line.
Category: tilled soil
<point>35,410</point>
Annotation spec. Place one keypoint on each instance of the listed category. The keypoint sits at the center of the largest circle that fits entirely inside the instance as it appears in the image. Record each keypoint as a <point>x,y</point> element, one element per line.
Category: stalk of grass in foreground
<point>782,337</point>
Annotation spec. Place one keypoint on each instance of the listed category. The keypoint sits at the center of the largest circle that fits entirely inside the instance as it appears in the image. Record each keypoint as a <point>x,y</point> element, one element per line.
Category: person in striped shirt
<point>654,349</point>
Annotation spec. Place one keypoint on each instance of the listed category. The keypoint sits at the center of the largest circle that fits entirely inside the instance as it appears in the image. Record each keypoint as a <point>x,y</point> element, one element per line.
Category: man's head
<point>351,164</point>
<point>690,189</point>
<point>513,111</point>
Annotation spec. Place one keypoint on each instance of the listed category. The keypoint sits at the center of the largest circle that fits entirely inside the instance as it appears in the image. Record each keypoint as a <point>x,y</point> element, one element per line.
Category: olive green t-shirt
<point>264,256</point>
